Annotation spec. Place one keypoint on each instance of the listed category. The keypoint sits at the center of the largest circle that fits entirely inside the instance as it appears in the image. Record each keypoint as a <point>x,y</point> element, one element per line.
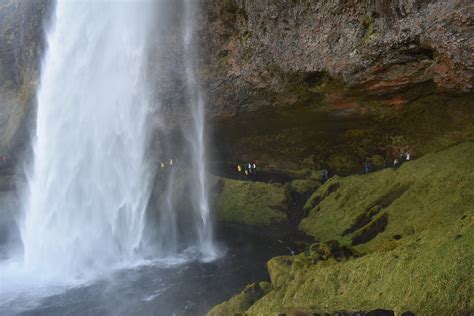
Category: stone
<point>381,312</point>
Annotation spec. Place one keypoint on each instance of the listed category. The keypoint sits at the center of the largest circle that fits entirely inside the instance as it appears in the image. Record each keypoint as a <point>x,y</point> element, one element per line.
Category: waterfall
<point>91,183</point>
<point>89,187</point>
<point>196,101</point>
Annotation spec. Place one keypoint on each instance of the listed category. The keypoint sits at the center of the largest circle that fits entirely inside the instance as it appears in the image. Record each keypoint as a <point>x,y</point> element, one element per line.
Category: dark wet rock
<point>408,314</point>
<point>298,192</point>
<point>330,249</point>
<point>371,230</point>
<point>381,312</point>
<point>366,217</point>
<point>397,237</point>
<point>21,45</point>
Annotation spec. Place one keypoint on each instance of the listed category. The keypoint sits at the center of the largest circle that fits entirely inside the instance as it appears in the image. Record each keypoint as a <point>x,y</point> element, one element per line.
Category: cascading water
<point>196,101</point>
<point>91,182</point>
<point>116,217</point>
<point>89,188</point>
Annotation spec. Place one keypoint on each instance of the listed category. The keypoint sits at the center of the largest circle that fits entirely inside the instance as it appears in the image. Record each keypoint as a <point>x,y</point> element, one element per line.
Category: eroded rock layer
<point>270,53</point>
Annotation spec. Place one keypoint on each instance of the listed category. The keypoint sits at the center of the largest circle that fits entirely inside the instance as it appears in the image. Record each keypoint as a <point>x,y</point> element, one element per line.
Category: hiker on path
<point>325,175</point>
<point>396,164</point>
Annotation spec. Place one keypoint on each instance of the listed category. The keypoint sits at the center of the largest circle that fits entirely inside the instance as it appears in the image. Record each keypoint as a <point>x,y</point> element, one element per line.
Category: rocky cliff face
<point>21,45</point>
<point>330,84</point>
<point>313,83</point>
<point>273,53</point>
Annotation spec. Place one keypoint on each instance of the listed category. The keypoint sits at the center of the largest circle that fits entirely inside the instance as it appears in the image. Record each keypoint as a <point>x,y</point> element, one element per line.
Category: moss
<point>342,162</point>
<point>422,261</point>
<point>252,203</point>
<point>18,112</point>
<point>369,31</point>
<point>323,191</point>
<point>437,121</point>
<point>330,249</point>
<point>378,161</point>
<point>279,269</point>
<point>357,194</point>
<point>246,35</point>
<point>371,230</point>
<point>303,186</point>
<point>431,282</point>
<point>241,302</point>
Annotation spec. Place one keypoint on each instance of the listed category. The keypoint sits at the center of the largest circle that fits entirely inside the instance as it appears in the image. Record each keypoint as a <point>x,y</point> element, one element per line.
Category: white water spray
<point>198,143</point>
<point>90,186</point>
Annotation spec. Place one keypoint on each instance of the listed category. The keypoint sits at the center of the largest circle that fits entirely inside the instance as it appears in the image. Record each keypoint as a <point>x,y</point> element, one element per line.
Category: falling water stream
<point>89,189</point>
<point>89,186</point>
<point>109,225</point>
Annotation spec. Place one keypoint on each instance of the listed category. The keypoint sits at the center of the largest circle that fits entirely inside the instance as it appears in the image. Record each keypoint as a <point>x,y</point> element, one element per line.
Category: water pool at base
<point>155,288</point>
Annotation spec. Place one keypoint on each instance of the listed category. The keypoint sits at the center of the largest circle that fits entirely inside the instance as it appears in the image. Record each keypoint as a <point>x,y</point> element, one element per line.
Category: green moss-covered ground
<point>412,230</point>
<point>241,302</point>
<point>251,203</point>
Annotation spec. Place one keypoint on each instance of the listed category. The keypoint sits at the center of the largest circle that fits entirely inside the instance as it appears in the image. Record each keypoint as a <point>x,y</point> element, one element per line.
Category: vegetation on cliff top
<point>411,230</point>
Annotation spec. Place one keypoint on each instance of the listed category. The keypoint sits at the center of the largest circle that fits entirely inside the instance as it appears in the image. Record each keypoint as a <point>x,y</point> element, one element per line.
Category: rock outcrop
<point>22,25</point>
<point>323,84</point>
<point>330,84</point>
<point>272,53</point>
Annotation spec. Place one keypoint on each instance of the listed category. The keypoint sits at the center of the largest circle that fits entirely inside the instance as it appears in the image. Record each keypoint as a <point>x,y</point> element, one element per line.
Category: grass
<point>238,304</point>
<point>421,261</point>
<point>251,203</point>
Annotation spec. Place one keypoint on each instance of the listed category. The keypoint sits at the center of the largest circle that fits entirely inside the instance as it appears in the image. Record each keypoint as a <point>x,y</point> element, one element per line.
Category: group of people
<point>397,162</point>
<point>250,168</point>
<point>167,163</point>
<point>403,157</point>
<point>247,168</point>
<point>368,166</point>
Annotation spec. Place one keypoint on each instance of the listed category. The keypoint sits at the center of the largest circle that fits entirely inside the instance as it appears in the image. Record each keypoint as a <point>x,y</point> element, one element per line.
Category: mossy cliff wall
<point>394,239</point>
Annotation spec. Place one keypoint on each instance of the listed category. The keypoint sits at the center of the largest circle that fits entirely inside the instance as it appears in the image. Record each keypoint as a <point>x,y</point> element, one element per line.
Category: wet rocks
<point>21,37</point>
